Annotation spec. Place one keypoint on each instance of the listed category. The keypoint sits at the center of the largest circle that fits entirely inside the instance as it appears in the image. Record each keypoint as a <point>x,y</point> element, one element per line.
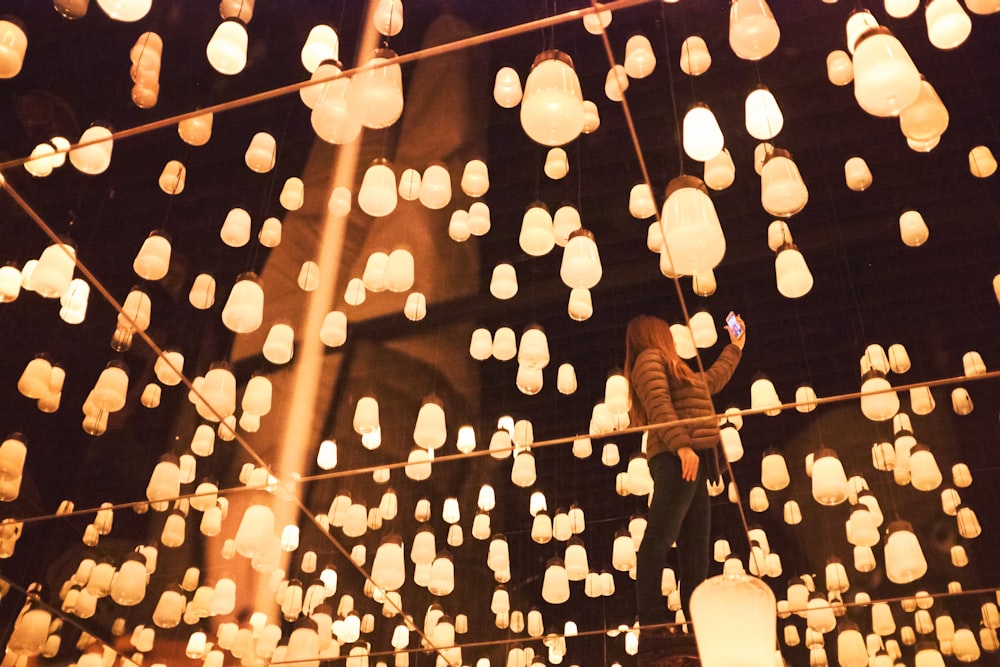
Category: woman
<point>665,390</point>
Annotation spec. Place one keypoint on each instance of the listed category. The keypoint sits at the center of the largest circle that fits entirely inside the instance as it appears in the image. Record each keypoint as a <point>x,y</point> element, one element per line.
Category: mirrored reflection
<point>339,372</point>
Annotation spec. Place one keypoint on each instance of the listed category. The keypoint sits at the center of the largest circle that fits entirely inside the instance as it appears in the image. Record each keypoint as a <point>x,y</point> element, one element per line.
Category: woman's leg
<point>693,541</point>
<point>671,498</point>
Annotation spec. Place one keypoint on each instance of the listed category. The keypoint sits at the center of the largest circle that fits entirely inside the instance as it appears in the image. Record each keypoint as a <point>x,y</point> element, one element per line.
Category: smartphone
<point>734,324</point>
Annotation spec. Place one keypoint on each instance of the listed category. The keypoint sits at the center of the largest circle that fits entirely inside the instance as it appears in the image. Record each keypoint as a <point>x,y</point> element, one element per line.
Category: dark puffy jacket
<point>665,398</point>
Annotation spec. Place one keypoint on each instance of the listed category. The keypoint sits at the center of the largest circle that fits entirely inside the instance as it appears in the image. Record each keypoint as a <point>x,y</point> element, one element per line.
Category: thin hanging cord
<point>158,351</point>
<point>673,100</point>
<point>538,444</point>
<point>457,45</point>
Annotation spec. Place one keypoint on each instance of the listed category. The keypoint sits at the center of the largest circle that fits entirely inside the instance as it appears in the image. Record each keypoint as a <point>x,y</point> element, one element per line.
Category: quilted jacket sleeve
<point>652,387</point>
<point>718,375</point>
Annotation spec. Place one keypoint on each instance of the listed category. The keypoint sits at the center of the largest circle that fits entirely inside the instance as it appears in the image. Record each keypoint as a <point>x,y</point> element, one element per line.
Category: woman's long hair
<point>644,332</point>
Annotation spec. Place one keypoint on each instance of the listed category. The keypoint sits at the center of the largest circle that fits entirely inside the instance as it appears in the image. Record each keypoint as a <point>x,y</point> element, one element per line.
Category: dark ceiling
<point>936,299</point>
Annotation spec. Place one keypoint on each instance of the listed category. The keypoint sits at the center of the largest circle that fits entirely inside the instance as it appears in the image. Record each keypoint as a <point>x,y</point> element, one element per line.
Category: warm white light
<point>736,622</point>
<point>763,117</point>
<point>839,68</point>
<point>127,11</point>
<point>782,191</point>
<point>692,234</point>
<point>900,9</point>
<point>552,111</point>
<point>13,45</point>
<point>794,279</point>
<point>695,57</point>
<point>640,59</point>
<point>703,138</point>
<point>912,228</point>
<point>375,95</point>
<point>388,17</point>
<point>507,88</point>
<point>948,26</point>
<point>885,79</point>
<point>753,32</point>
<point>227,49</point>
<point>857,174</point>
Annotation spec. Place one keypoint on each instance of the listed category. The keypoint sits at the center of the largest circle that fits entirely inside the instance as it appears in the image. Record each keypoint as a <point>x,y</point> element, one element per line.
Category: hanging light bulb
<point>703,330</point>
<point>763,117</point>
<point>921,400</point>
<point>640,60</point>
<point>227,49</point>
<point>581,262</point>
<point>792,274</point>
<point>388,17</point>
<point>556,163</point>
<point>244,309</point>
<point>857,174</point>
<point>596,22</point>
<point>503,283</point>
<point>94,153</point>
<point>127,11</point>
<point>196,131</point>
<point>753,32</point>
<point>321,44</point>
<point>692,234</point>
<point>829,483</point>
<point>695,57</point>
<point>927,118</point>
<point>13,45</point>
<point>476,219</point>
<point>774,471</point>
<point>982,163</point>
<point>720,171</point>
<point>53,273</point>
<point>399,271</point>
<point>616,83</point>
<point>475,178</point>
<point>782,191</point>
<point>948,26</point>
<point>153,259</point>
<point>983,7</point>
<point>736,621</point>
<point>536,237</point>
<point>763,396</point>
<point>430,430</point>
<point>839,68</point>
<point>640,201</point>
<point>262,152</point>
<point>702,136</point>
<point>878,401</point>
<point>375,94</point>
<point>507,88</point>
<point>904,559</point>
<point>581,305</point>
<point>565,221</point>
<point>885,79</point>
<point>331,118</point>
<point>377,195</point>
<point>704,283</point>
<point>924,471</point>
<point>552,111</point>
<point>912,228</point>
<point>900,9</point>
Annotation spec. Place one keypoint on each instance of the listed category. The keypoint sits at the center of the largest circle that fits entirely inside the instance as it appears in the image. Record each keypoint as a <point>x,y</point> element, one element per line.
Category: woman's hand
<point>689,463</point>
<point>741,340</point>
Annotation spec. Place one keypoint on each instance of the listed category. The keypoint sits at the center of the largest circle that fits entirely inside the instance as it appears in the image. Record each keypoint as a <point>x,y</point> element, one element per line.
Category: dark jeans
<point>680,512</point>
